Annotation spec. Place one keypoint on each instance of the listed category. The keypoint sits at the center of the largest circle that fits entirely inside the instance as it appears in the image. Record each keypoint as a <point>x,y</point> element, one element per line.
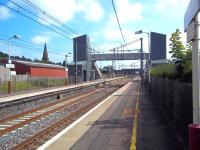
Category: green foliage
<point>176,46</point>
<point>3,55</point>
<point>181,68</point>
<point>164,71</point>
<point>64,63</point>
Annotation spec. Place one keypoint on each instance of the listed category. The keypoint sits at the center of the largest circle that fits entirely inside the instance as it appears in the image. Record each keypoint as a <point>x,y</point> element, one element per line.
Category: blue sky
<point>93,17</point>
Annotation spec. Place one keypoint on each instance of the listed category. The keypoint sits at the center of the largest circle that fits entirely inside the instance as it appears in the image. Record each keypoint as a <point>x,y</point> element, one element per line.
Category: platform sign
<point>191,12</point>
<point>10,65</point>
<point>191,34</point>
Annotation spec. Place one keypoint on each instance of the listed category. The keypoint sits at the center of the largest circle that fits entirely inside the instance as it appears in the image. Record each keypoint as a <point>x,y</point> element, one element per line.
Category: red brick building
<point>38,69</point>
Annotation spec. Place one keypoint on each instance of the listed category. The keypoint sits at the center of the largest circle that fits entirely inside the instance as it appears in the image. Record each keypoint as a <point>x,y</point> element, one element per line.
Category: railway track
<point>17,121</point>
<point>30,129</point>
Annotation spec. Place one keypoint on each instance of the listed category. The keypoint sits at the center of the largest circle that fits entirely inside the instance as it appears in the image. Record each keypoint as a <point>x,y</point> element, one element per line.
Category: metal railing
<point>175,98</point>
<point>26,83</point>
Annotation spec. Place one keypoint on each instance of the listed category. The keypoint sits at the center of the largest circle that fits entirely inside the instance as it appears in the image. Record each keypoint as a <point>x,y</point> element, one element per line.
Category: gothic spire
<point>45,54</point>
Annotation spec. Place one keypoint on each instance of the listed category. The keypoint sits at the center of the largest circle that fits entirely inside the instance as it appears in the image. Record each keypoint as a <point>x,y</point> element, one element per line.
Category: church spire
<point>45,54</point>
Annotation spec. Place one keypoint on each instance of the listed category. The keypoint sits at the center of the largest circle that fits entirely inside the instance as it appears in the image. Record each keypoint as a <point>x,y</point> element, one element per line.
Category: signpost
<point>191,26</point>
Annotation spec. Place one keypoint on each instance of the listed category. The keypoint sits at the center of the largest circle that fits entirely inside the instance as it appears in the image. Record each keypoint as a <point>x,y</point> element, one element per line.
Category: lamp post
<point>9,61</point>
<point>67,55</point>
<point>66,67</point>
<point>141,32</point>
<point>13,37</point>
<point>75,77</point>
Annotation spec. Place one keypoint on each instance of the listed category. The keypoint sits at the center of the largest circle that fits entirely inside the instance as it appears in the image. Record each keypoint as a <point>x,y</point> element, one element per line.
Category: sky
<point>95,18</point>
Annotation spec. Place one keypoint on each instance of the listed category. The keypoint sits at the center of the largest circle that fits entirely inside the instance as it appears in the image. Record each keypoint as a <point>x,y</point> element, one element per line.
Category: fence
<point>71,79</point>
<point>176,99</point>
<point>25,83</point>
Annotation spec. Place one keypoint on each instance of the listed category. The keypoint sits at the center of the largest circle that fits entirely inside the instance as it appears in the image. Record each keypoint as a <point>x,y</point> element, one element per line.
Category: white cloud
<point>111,31</point>
<point>38,39</point>
<point>173,8</point>
<point>92,9</point>
<point>65,10</point>
<point>4,13</point>
<point>128,11</point>
<point>112,34</point>
<point>61,9</point>
<point>107,46</point>
<point>113,38</point>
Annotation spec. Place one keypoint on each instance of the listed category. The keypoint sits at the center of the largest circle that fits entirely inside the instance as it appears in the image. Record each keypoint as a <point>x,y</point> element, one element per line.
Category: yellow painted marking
<point>134,132</point>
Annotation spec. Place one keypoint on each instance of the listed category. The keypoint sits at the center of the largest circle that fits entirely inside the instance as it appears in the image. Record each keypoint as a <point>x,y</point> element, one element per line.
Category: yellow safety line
<point>134,132</point>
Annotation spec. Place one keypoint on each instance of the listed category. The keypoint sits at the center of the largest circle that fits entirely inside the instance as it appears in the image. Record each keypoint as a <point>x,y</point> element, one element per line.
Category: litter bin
<point>194,137</point>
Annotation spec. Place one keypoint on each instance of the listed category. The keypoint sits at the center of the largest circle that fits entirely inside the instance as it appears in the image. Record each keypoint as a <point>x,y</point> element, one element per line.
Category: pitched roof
<point>36,64</point>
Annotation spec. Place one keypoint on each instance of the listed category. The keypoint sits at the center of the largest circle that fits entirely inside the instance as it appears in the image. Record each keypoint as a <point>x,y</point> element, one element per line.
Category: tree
<point>182,57</point>
<point>177,47</point>
<point>188,52</point>
<point>37,60</point>
<point>64,63</point>
<point>3,55</point>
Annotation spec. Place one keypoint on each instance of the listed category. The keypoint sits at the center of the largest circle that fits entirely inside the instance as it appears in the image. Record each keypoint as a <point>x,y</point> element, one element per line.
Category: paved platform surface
<point>113,130</point>
<point>108,127</point>
<point>153,132</point>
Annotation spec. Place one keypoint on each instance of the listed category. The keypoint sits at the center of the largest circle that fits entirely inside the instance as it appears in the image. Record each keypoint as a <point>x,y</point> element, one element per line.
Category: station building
<point>35,69</point>
<point>83,57</point>
<point>87,69</point>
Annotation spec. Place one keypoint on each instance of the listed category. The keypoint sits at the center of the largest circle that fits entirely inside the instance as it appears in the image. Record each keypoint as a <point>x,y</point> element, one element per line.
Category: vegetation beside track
<point>180,67</point>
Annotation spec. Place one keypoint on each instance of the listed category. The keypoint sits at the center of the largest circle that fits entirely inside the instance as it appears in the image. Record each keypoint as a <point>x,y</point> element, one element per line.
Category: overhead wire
<point>29,47</point>
<point>28,17</point>
<point>39,17</point>
<point>56,20</point>
<point>50,16</point>
<point>17,11</point>
<point>5,44</point>
<point>38,45</point>
<point>120,28</point>
<point>126,44</point>
<point>53,18</point>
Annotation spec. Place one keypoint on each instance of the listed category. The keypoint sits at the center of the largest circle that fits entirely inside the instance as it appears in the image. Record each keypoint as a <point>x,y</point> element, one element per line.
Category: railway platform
<point>127,119</point>
<point>51,91</point>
